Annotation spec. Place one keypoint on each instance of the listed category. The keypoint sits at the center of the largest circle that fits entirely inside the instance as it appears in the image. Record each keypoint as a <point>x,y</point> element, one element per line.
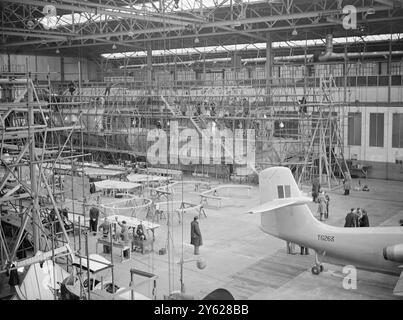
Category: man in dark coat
<point>195,235</point>
<point>315,190</point>
<point>327,205</point>
<point>94,214</point>
<point>346,185</point>
<point>351,219</point>
<point>92,188</point>
<point>72,87</point>
<point>364,221</point>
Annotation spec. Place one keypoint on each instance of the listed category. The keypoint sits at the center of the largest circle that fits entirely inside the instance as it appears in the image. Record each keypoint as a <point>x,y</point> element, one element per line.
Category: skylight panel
<point>254,46</point>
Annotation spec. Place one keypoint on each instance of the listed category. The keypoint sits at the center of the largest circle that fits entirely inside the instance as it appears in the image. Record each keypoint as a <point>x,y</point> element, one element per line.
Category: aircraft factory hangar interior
<point>201,150</point>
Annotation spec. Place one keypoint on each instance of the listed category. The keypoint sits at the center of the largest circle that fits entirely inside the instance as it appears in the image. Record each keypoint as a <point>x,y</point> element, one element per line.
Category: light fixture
<point>30,24</point>
<point>371,10</point>
<point>294,32</point>
<point>57,51</point>
<point>114,47</point>
<point>281,124</point>
<point>197,40</point>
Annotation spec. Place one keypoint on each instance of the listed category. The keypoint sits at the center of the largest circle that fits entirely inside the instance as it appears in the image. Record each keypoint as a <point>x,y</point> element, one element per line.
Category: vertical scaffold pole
<point>33,176</point>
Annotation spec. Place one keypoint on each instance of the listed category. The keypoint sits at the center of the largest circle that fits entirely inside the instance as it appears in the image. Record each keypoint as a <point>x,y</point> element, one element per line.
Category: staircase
<point>199,123</point>
<point>173,109</point>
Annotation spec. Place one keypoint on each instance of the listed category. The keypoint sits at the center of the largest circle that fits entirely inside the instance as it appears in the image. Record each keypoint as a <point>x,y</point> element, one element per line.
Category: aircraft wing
<point>279,203</point>
<point>399,286</point>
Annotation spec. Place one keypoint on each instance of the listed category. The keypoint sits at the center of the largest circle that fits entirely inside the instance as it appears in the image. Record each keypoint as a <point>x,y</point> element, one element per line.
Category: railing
<point>351,81</point>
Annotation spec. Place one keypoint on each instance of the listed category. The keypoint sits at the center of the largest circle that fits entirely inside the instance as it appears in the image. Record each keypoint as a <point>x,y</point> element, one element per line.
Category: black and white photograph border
<point>203,150</point>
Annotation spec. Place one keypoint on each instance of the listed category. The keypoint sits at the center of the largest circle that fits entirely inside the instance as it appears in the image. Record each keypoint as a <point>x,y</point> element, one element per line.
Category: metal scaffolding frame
<point>35,140</point>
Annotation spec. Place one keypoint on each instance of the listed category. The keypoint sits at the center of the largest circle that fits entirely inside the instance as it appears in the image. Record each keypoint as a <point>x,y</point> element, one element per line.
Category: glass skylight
<point>145,8</point>
<point>254,46</point>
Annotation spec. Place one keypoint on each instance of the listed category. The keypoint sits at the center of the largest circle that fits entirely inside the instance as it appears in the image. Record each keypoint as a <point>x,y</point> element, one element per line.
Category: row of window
<point>376,129</point>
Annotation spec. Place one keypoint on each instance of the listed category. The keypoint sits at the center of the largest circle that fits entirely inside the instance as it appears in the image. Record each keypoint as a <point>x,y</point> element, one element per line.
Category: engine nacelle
<point>393,253</point>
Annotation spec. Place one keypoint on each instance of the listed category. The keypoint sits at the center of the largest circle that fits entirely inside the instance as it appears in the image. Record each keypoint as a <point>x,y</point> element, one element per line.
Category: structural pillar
<point>204,69</point>
<point>390,71</point>
<point>269,69</point>
<point>62,69</point>
<point>345,75</point>
<point>149,68</point>
<point>175,76</point>
<point>8,62</point>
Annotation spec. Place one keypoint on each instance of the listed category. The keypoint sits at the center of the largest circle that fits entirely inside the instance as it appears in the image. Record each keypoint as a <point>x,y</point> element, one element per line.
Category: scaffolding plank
<point>13,198</point>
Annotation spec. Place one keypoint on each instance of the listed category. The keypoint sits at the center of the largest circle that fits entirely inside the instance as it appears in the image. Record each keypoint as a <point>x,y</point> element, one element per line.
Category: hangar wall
<point>36,63</point>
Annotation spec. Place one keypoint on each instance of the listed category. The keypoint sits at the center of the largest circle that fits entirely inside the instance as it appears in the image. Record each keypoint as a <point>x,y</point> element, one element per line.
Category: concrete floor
<point>254,265</point>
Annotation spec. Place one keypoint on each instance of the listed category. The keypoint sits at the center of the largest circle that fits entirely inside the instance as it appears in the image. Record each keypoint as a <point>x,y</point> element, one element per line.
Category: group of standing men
<point>195,235</point>
<point>357,217</point>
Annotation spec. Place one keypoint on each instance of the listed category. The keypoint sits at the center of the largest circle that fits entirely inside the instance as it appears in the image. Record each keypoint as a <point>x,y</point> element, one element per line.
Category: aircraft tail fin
<point>277,183</point>
<point>282,205</point>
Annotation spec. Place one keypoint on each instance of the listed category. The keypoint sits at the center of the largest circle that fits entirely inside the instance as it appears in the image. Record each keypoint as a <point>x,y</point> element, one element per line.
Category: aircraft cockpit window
<point>280,190</point>
<point>287,190</point>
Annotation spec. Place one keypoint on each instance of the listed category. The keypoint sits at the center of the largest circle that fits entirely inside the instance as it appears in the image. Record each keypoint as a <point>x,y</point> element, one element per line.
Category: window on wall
<point>397,130</point>
<point>354,128</point>
<point>376,123</point>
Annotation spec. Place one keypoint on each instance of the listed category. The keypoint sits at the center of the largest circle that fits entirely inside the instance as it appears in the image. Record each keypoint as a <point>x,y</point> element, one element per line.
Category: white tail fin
<point>277,183</point>
<point>283,208</point>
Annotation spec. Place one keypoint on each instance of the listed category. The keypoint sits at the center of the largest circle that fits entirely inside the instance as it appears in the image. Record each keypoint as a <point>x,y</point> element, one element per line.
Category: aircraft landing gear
<point>318,267</point>
<point>315,270</point>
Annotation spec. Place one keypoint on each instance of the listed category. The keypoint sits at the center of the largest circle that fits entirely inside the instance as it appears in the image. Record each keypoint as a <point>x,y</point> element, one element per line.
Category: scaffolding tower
<point>324,156</point>
<point>35,139</point>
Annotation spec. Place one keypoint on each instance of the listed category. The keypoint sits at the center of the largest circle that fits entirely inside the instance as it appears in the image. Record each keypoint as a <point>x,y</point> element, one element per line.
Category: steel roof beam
<point>319,25</point>
<point>95,10</point>
<point>33,35</point>
<point>222,23</point>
